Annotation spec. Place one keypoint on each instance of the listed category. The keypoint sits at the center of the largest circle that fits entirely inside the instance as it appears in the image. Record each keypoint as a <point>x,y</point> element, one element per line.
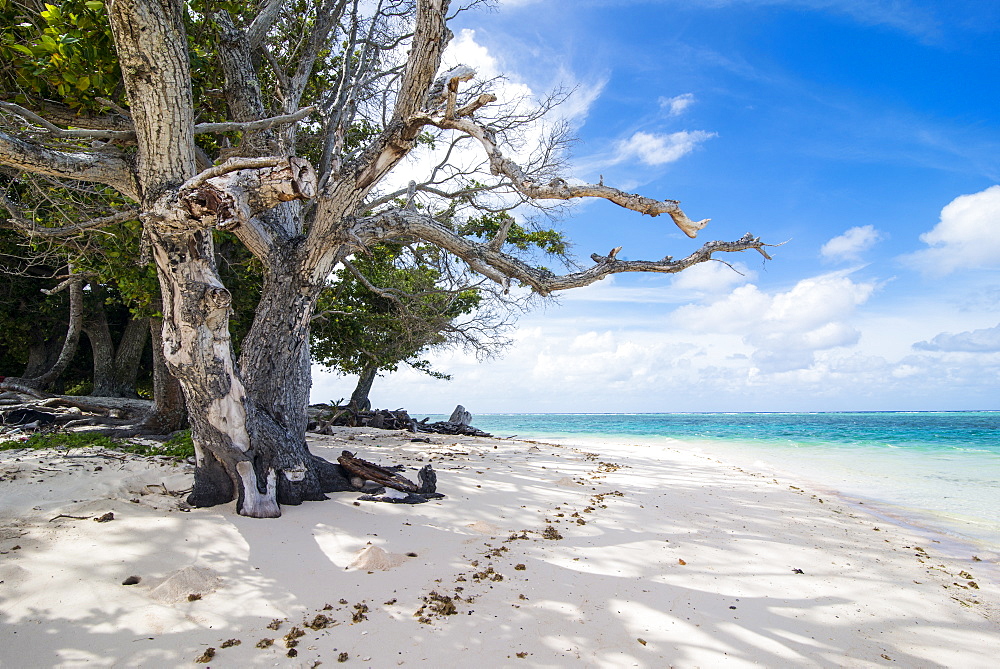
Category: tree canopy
<point>287,124</point>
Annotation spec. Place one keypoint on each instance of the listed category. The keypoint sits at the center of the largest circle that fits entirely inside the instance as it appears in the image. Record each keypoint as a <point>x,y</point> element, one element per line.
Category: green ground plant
<point>179,446</point>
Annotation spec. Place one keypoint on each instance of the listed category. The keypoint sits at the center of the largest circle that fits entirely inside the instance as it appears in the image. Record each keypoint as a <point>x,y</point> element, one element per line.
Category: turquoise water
<point>939,471</point>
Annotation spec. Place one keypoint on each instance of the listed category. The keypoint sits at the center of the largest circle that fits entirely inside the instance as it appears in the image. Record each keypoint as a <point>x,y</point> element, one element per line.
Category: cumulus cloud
<point>659,149</point>
<point>785,329</point>
<point>677,105</point>
<point>986,340</point>
<point>966,236</point>
<point>712,277</point>
<point>850,245</point>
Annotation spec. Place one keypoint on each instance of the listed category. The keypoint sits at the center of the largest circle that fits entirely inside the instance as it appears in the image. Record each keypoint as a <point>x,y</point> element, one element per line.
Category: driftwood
<point>323,417</point>
<point>460,416</point>
<point>369,471</point>
<point>362,471</point>
<point>21,410</point>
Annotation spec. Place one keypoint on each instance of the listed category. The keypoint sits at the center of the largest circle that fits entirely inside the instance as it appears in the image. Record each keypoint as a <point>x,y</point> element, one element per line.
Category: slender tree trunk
<point>70,343</point>
<point>128,357</point>
<point>169,412</point>
<point>102,350</point>
<point>359,398</point>
<point>42,354</point>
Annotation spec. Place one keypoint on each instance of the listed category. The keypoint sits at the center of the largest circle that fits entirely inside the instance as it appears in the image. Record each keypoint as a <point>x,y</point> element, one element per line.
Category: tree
<point>301,195</point>
<point>396,302</point>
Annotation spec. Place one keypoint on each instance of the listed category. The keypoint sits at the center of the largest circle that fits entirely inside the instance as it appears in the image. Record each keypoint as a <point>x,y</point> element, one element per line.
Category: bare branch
<point>254,126</point>
<point>67,283</point>
<point>429,39</point>
<point>445,88</point>
<point>363,280</point>
<point>231,165</point>
<point>475,105</point>
<point>52,129</point>
<point>498,265</point>
<point>110,104</point>
<point>35,230</point>
<point>62,115</point>
<point>257,30</point>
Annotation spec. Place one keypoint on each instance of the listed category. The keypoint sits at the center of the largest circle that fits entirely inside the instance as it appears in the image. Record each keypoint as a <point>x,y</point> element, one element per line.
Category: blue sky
<point>865,135</point>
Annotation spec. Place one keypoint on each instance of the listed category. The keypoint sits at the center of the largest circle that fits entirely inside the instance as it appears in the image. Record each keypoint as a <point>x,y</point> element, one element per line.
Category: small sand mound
<point>179,585</point>
<point>567,482</point>
<point>373,558</point>
<point>483,527</point>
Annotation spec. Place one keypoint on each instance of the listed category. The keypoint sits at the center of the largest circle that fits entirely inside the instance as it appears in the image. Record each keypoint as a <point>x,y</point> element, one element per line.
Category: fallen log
<point>369,471</point>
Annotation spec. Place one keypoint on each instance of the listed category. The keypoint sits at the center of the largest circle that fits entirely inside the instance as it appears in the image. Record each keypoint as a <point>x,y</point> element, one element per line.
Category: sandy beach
<point>541,555</point>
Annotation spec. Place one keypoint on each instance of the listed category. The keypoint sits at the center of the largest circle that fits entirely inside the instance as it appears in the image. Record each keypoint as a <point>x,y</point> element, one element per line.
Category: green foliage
<point>62,440</point>
<point>550,242</point>
<point>63,52</point>
<point>359,329</point>
<point>179,446</point>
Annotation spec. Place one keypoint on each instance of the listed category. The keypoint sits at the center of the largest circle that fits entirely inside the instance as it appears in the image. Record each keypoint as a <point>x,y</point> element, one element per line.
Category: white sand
<point>692,566</point>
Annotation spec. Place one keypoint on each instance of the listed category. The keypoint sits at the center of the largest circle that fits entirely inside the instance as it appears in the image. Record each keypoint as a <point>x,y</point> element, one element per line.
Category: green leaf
<point>96,6</point>
<point>22,49</point>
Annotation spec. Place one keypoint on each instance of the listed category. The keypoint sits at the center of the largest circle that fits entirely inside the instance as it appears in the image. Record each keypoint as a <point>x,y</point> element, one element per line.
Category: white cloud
<point>986,340</point>
<point>695,283</point>
<point>850,245</point>
<point>966,236</point>
<point>712,277</point>
<point>464,49</point>
<point>659,149</point>
<point>785,329</point>
<point>678,104</point>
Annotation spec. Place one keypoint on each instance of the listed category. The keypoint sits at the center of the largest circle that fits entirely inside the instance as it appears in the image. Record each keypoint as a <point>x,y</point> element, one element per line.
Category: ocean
<point>934,471</point>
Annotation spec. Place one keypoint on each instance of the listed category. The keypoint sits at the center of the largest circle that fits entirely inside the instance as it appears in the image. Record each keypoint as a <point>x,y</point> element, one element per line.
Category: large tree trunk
<point>198,351</point>
<point>275,363</point>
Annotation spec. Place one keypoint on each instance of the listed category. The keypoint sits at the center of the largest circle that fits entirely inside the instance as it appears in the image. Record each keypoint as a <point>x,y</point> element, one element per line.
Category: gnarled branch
<point>500,165</point>
<point>106,167</point>
<point>490,262</point>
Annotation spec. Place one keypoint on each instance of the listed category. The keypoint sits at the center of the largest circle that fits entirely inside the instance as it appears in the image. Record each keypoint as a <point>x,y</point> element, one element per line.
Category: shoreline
<point>662,558</point>
<point>934,528</point>
<point>902,490</point>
